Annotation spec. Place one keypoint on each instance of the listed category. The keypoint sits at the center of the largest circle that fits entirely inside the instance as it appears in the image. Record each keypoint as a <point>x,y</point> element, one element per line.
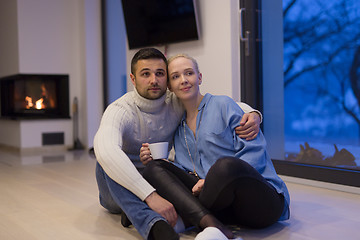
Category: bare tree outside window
<point>322,82</point>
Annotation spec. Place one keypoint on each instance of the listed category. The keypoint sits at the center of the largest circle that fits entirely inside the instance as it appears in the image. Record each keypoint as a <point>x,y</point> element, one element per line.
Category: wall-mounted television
<point>159,22</point>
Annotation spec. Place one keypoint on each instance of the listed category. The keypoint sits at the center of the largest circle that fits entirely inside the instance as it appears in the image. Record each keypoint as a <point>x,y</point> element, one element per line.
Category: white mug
<point>159,150</point>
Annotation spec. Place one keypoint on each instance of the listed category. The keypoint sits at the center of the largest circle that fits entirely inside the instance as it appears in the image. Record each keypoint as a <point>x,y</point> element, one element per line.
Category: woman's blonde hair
<point>196,66</point>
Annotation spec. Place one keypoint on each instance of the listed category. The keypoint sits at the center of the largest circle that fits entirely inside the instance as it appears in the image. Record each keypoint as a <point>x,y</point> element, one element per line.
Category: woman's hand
<point>145,154</point>
<point>198,187</point>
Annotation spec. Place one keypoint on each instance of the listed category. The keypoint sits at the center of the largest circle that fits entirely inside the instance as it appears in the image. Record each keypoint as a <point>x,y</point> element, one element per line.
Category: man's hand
<point>249,126</point>
<point>145,154</point>
<point>198,187</point>
<point>163,207</point>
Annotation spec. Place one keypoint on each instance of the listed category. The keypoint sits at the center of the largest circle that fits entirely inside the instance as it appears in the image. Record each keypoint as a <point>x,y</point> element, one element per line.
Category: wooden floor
<point>54,196</point>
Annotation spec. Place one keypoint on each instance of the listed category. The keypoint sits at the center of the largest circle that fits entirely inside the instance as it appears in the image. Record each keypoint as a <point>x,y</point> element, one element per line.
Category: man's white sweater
<point>127,123</point>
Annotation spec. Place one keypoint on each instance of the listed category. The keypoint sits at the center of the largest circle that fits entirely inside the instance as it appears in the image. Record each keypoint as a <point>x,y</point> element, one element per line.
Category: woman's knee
<point>230,166</point>
<point>226,162</point>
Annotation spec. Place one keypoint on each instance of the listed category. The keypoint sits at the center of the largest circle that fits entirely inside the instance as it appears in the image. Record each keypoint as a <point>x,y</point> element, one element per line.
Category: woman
<point>231,179</point>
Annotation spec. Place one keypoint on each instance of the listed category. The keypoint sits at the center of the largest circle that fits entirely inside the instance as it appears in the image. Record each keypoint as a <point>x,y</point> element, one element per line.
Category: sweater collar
<point>148,105</point>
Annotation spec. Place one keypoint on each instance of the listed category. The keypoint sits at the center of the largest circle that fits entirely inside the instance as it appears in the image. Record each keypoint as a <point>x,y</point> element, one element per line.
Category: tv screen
<point>159,22</point>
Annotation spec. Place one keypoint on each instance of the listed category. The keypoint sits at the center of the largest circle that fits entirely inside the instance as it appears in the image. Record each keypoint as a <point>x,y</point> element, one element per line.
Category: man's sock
<point>161,230</point>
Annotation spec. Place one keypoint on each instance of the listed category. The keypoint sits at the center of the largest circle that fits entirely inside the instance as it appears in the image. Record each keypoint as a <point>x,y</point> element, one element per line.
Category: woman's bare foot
<point>210,221</point>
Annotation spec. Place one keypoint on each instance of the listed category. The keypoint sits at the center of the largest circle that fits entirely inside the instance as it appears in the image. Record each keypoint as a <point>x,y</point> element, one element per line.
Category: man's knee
<point>111,206</point>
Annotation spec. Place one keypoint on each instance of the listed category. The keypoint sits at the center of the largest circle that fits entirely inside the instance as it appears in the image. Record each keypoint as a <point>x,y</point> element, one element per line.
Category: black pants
<point>234,192</point>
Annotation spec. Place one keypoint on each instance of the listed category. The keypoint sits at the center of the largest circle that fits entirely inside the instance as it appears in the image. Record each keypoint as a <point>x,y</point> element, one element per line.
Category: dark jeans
<point>234,192</point>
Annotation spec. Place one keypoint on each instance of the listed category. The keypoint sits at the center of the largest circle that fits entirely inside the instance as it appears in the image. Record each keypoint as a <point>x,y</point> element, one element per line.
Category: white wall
<point>56,37</point>
<point>48,36</point>
<point>9,59</point>
<point>93,96</point>
<point>10,133</point>
<point>217,51</point>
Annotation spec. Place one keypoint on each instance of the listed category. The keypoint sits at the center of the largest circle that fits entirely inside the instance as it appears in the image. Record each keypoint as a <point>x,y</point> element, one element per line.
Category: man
<point>150,113</point>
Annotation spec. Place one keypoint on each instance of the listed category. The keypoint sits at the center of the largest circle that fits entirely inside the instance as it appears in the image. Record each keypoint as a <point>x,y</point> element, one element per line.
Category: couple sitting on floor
<point>222,173</point>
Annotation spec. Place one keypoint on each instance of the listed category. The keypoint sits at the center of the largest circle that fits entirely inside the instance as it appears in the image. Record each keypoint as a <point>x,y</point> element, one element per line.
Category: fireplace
<point>34,96</point>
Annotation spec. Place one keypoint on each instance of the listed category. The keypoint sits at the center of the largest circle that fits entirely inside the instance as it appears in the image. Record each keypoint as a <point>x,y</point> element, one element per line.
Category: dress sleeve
<point>109,153</point>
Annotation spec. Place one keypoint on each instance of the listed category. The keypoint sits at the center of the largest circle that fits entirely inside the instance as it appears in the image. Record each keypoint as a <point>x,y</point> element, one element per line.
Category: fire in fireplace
<point>33,96</point>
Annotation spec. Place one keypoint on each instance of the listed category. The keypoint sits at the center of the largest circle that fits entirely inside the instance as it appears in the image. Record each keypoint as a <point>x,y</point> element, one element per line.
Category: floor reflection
<point>14,158</point>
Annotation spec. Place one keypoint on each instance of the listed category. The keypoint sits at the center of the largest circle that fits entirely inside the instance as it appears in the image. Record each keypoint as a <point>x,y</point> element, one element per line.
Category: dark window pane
<point>322,82</point>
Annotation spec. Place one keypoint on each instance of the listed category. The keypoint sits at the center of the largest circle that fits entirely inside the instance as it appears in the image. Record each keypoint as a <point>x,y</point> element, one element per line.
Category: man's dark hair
<point>146,53</point>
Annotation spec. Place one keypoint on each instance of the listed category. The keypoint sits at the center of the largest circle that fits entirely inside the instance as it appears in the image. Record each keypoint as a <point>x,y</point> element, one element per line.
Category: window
<point>312,110</point>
